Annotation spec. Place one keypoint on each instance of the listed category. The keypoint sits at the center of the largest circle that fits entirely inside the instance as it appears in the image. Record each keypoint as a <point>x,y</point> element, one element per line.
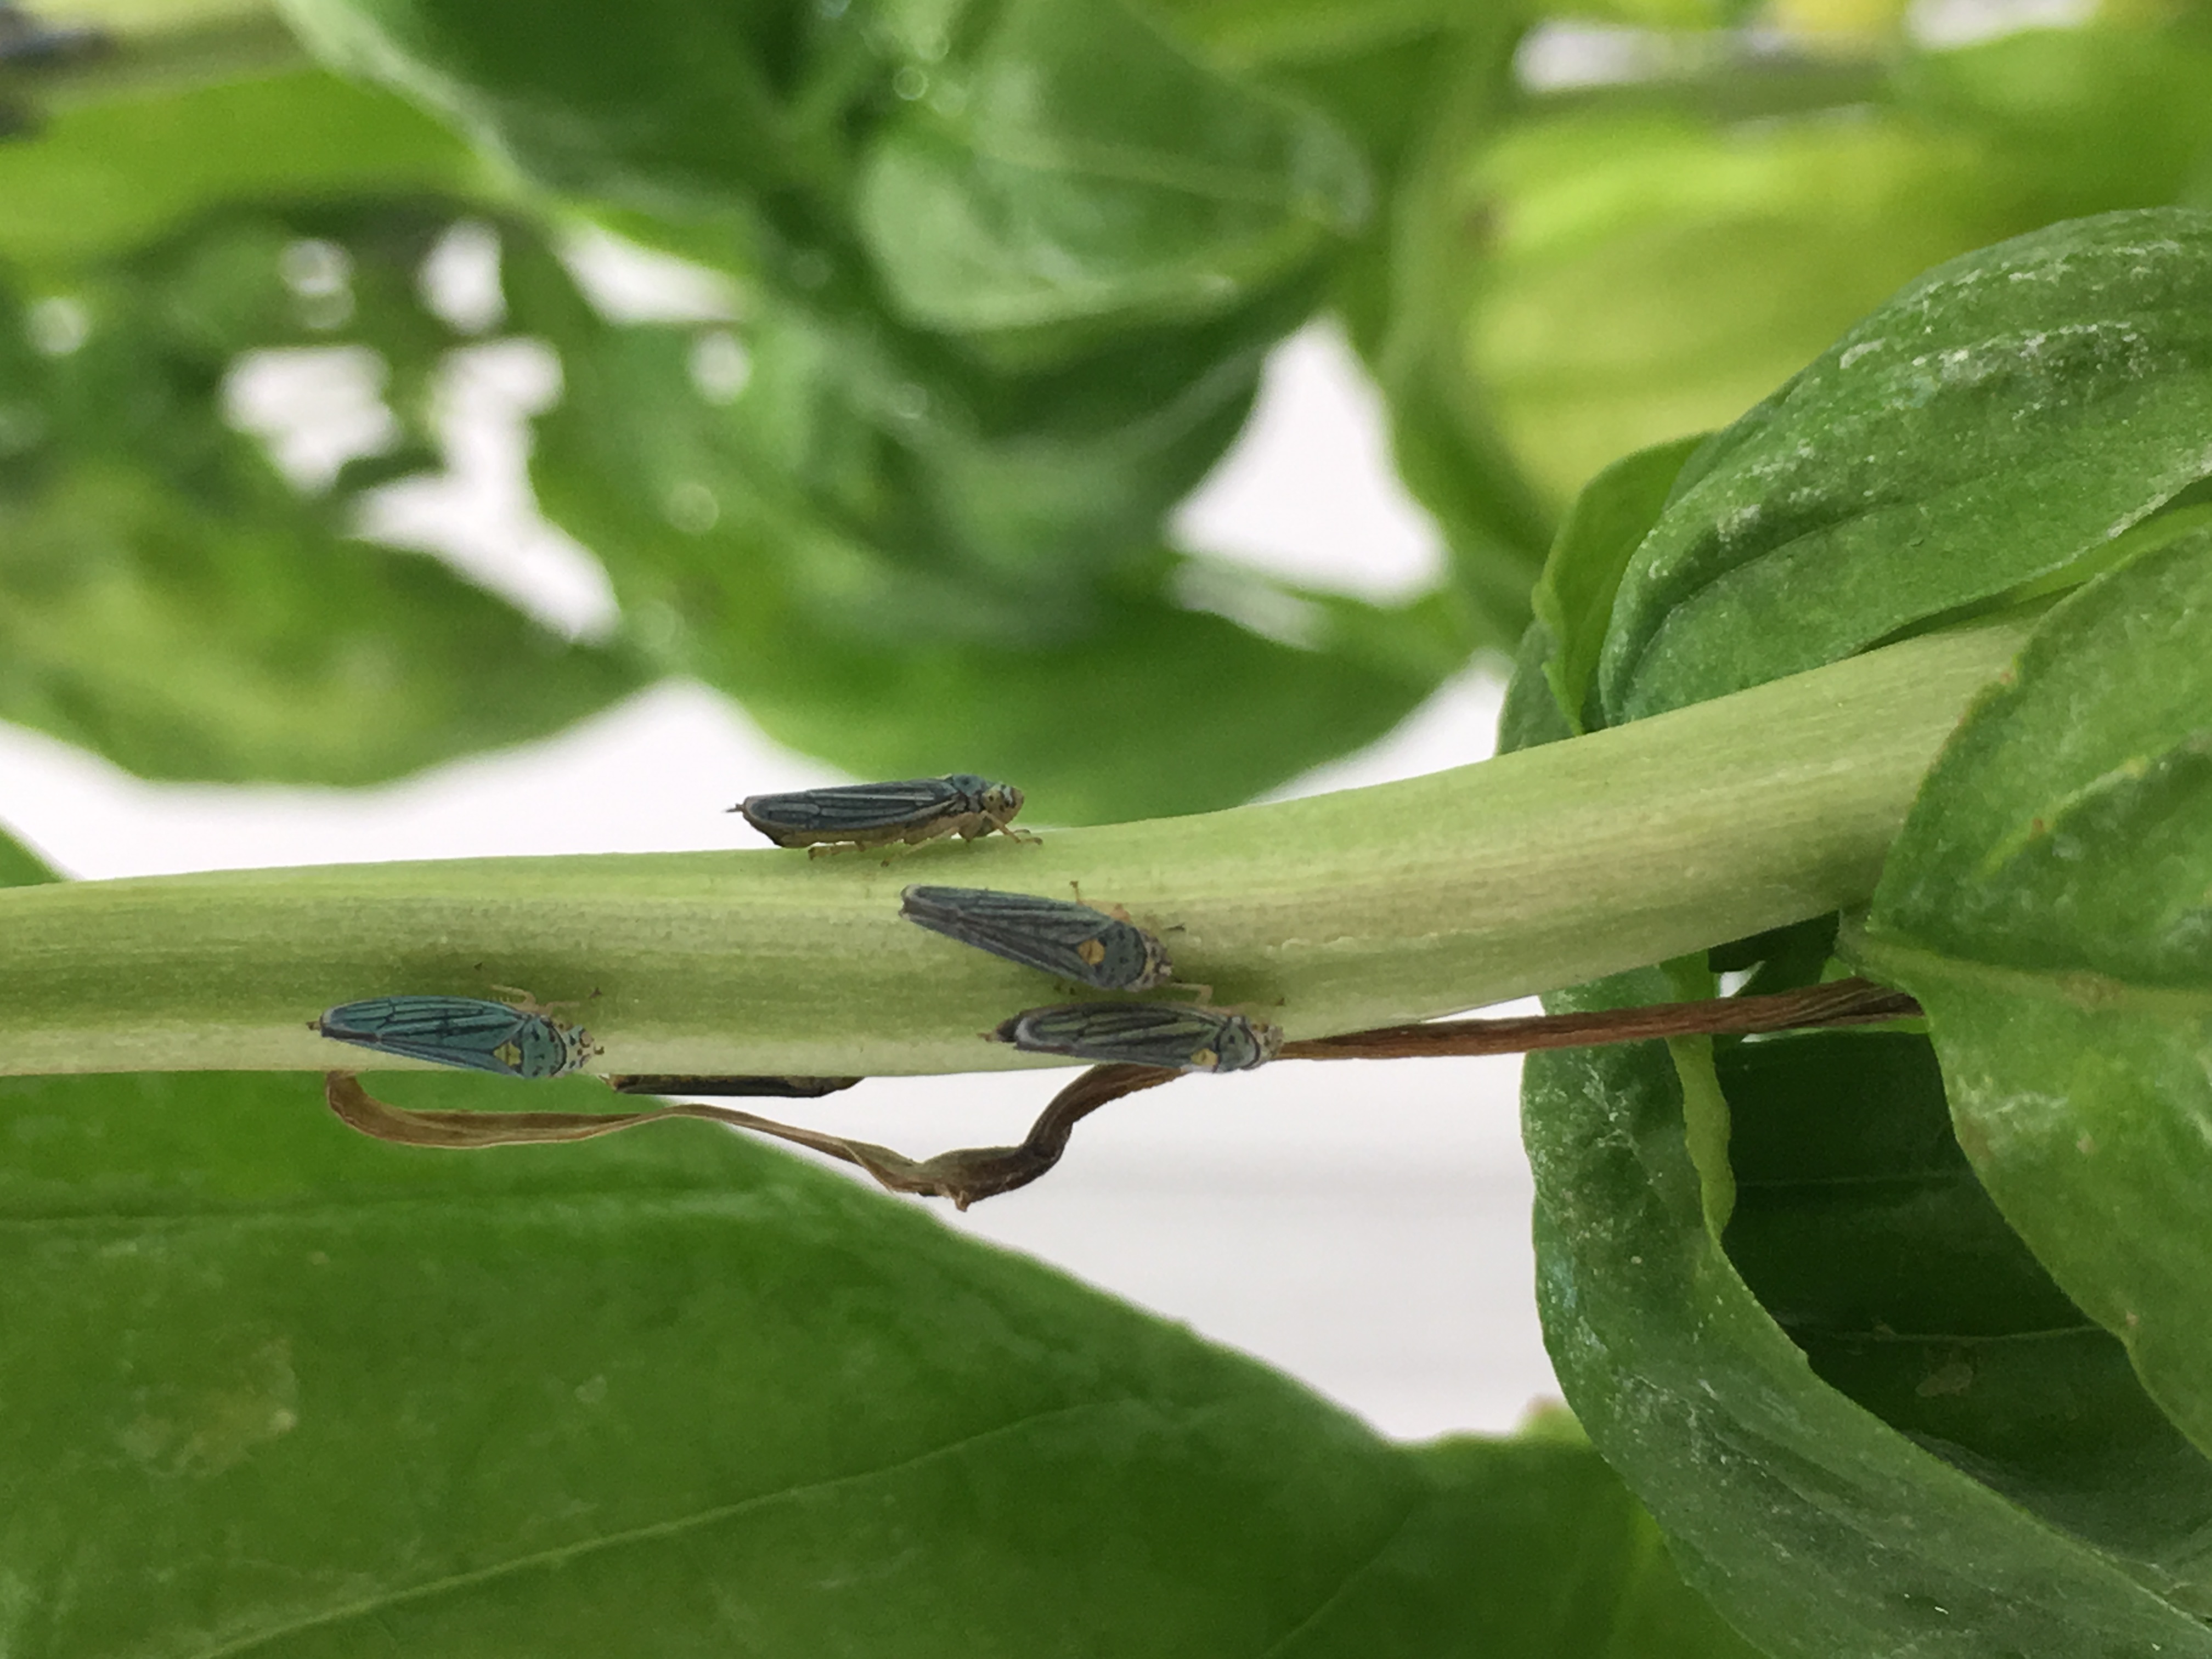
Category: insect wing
<point>1051,935</point>
<point>464,1031</point>
<point>1163,1033</point>
<point>859,807</point>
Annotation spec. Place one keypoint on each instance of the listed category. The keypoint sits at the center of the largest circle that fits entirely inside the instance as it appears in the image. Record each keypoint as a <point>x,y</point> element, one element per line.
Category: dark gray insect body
<point>1055,936</point>
<point>878,814</point>
<point>1174,1036</point>
<point>26,42</point>
<point>786,1088</point>
<point>469,1032</point>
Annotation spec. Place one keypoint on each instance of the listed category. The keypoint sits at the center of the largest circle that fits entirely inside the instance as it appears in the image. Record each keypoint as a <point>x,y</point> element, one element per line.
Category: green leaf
<point>1630,263</point>
<point>1008,496</point>
<point>1076,170</point>
<point>1601,533</point>
<point>1595,1576</point>
<point>1531,714</point>
<point>1179,711</point>
<point>2078,120</point>
<point>1149,710</point>
<point>1570,278</point>
<point>1861,1229</point>
<point>674,107</point>
<point>1445,440</point>
<point>2047,902</point>
<point>96,181</point>
<point>1021,174</point>
<point>1644,274</point>
<point>1871,1424</point>
<point>1011,276</point>
<point>1816,1527</point>
<point>1998,420</point>
<point>534,1401</point>
<point>1277,34</point>
<point>173,603</point>
<point>185,644</point>
<point>19,866</point>
<point>858,577</point>
<point>1387,74</point>
<point>1403,298</point>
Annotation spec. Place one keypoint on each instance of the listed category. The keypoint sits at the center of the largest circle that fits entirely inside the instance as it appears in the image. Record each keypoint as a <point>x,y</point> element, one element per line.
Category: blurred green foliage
<point>1003,278</point>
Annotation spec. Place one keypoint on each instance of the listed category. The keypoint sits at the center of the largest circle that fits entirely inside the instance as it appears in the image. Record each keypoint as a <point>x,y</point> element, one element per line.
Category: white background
<point>1367,1233</point>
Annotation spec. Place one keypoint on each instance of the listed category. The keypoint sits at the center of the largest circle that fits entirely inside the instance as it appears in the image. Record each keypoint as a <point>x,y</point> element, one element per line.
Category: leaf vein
<point>375,1607</point>
<point>1352,1574</point>
<point>1895,956</point>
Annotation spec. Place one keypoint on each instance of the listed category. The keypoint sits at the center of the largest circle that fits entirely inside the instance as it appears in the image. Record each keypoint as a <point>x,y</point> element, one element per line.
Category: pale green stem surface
<point>1365,907</point>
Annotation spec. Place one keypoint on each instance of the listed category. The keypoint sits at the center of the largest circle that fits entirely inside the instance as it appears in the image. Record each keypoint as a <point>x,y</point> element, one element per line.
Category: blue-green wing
<point>858,806</point>
<point>1045,933</point>
<point>1137,1033</point>
<point>463,1031</point>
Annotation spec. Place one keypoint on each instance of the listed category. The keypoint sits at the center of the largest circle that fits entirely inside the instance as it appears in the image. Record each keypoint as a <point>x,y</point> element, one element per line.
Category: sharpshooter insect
<point>878,814</point>
<point>1076,941</point>
<point>511,1041</point>
<point>1174,1036</point>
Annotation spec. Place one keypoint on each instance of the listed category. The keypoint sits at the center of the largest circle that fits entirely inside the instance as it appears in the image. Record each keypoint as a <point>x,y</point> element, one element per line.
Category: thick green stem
<point>1366,907</point>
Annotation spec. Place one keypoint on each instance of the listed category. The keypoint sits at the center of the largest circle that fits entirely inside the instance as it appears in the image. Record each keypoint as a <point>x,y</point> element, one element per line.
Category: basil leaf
<point>1815,1527</point>
<point>2048,904</point>
<point>1997,421</point>
<point>174,603</point>
<point>538,1400</point>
